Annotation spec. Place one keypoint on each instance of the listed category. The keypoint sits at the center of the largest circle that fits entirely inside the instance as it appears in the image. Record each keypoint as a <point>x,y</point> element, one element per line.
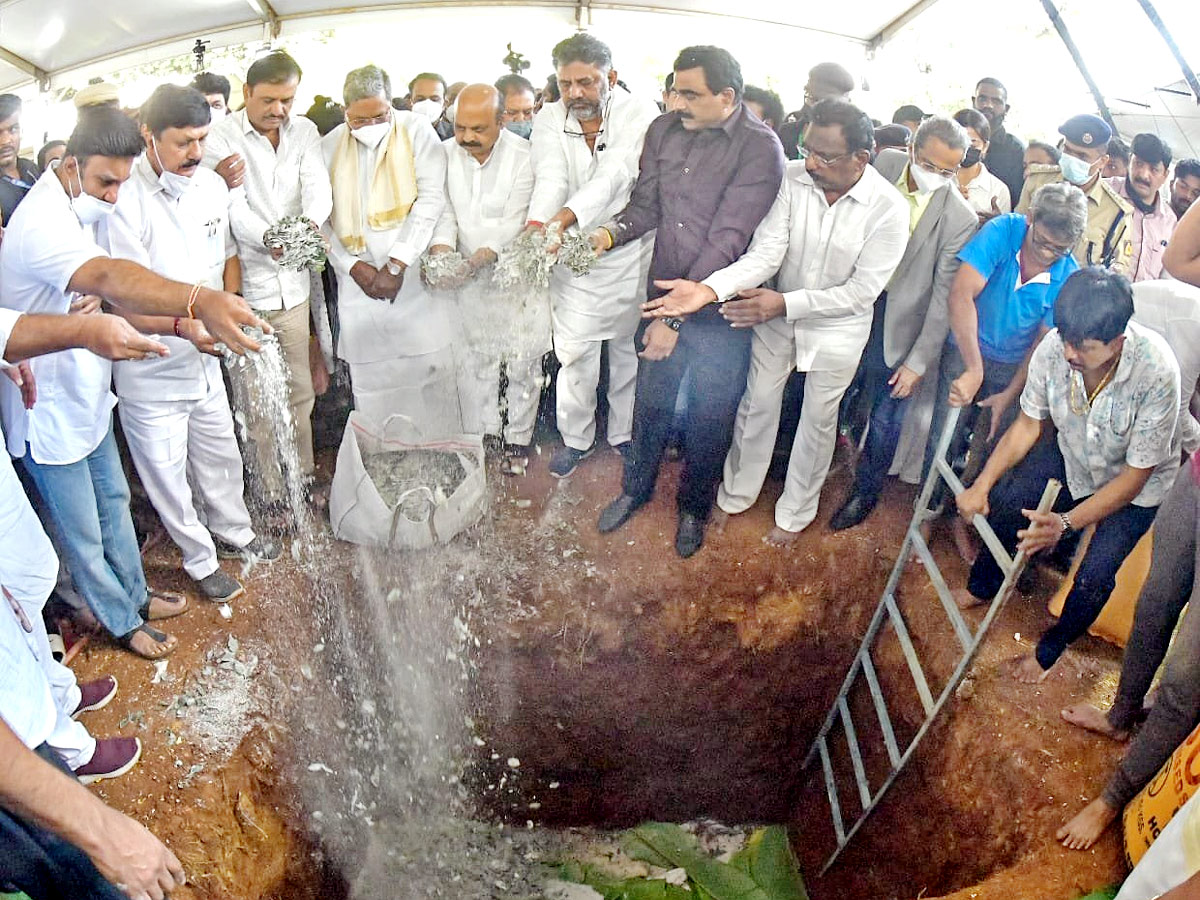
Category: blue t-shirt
<point>1009,316</point>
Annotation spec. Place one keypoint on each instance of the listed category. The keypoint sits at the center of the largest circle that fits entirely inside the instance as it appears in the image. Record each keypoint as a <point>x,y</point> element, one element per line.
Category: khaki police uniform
<point>1106,240</point>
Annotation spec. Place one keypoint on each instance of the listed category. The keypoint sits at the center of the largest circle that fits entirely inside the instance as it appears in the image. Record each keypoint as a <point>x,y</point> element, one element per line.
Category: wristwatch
<point>393,268</point>
<point>673,322</point>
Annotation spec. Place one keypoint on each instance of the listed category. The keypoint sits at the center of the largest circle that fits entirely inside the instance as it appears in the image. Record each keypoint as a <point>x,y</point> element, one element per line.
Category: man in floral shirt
<point>1109,388</point>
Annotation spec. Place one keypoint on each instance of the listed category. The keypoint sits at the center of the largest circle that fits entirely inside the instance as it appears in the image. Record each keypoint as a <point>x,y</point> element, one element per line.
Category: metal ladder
<point>888,613</point>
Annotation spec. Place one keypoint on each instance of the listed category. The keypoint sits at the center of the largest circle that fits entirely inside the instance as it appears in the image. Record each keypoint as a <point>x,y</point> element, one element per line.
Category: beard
<point>587,110</point>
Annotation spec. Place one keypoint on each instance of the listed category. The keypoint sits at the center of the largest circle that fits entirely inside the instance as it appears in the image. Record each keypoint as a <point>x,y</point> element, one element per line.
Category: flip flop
<point>160,638</point>
<point>163,605</point>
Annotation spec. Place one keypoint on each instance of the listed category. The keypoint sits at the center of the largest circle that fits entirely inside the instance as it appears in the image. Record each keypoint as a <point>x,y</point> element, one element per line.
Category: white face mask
<point>172,182</point>
<point>430,109</point>
<point>927,182</point>
<point>1075,170</point>
<point>88,209</point>
<point>372,135</point>
<point>218,113</point>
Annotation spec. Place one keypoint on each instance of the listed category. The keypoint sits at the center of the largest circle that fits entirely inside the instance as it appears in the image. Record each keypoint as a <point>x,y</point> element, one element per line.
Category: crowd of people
<point>896,270</point>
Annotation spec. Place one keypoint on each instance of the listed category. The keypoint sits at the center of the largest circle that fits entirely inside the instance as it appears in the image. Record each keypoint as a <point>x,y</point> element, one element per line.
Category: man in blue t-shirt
<point>1001,303</point>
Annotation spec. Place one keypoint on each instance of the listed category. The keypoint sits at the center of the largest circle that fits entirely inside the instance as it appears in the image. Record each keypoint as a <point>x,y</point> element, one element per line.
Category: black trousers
<point>718,357</point>
<point>42,864</point>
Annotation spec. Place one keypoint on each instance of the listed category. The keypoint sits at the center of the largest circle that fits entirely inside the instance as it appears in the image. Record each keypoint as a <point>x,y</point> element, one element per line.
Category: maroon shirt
<point>705,191</point>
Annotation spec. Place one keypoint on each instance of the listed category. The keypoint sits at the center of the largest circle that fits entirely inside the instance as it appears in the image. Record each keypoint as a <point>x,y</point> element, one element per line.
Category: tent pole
<point>1061,27</point>
<point>1188,75</point>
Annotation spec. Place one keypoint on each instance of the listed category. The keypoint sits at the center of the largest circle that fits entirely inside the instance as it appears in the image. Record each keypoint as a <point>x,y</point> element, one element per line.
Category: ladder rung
<point>910,654</point>
<point>965,637</point>
<point>885,720</point>
<point>860,772</point>
<point>980,523</point>
<point>831,788</point>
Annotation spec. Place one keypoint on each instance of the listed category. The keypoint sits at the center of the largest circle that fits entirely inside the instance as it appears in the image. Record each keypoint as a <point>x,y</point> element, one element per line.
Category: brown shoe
<point>95,695</point>
<point>114,756</point>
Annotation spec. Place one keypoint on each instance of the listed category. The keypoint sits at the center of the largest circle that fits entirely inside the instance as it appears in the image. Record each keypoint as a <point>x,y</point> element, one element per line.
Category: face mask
<point>520,129</point>
<point>974,154</point>
<point>1074,170</point>
<point>172,182</point>
<point>927,182</point>
<point>430,109</point>
<point>217,114</point>
<point>88,209</point>
<point>372,136</point>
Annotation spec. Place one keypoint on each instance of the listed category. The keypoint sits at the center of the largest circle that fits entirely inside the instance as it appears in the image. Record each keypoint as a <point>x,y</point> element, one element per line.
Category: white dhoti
<point>772,360</point>
<point>603,306</point>
<point>187,457</point>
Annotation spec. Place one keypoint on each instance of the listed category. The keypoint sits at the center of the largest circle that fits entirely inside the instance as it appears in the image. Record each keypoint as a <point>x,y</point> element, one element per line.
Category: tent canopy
<point>42,39</point>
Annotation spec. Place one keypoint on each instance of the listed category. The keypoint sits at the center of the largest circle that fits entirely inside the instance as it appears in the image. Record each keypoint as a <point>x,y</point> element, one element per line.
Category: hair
<point>172,106</point>
<point>1060,208</point>
<point>669,82</point>
<point>1151,149</point>
<point>976,121</point>
<point>104,131</point>
<point>46,148</point>
<point>209,83</point>
<point>274,68</point>
<point>551,93</point>
<point>513,83</point>
<point>369,81</point>
<point>721,70</point>
<point>326,114</point>
<point>1049,149</point>
<point>427,76</point>
<point>892,136</point>
<point>994,82</point>
<point>1187,168</point>
<point>948,131</point>
<point>855,124</point>
<point>768,100</point>
<point>1093,304</point>
<point>908,113</point>
<point>582,48</point>
<point>1118,150</point>
<point>10,105</point>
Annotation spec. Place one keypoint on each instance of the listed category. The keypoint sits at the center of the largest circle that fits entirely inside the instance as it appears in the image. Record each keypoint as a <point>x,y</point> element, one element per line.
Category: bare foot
<point>963,540</point>
<point>1087,826</point>
<point>779,537</point>
<point>964,599</point>
<point>1091,718</point>
<point>1025,669</point>
<point>718,520</point>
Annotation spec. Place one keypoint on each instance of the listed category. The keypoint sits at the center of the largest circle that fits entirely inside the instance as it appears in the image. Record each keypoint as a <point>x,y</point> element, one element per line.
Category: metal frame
<point>888,612</point>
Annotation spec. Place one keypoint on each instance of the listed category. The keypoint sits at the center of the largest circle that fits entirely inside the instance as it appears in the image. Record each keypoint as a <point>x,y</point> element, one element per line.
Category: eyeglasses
<point>823,159</point>
<point>1056,251</point>
<point>587,134</point>
<point>360,121</point>
<point>930,167</point>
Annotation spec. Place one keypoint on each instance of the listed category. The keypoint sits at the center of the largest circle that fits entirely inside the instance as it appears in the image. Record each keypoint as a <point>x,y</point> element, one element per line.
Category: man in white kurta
<point>489,180</point>
<point>172,217</point>
<point>277,172</point>
<point>834,236</point>
<point>586,149</point>
<point>388,170</point>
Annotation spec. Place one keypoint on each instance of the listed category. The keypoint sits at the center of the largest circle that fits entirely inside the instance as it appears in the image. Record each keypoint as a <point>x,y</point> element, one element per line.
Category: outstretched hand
<point>683,298</point>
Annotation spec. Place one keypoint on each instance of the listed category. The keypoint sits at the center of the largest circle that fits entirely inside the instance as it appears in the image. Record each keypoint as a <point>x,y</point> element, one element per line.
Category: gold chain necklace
<point>1082,409</point>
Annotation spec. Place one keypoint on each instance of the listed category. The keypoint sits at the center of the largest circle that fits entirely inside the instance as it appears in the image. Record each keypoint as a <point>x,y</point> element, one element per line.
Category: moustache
<point>471,144</point>
<point>189,164</point>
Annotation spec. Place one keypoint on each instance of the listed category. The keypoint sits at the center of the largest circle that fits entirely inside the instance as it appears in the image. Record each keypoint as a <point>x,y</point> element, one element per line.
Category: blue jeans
<point>88,505</point>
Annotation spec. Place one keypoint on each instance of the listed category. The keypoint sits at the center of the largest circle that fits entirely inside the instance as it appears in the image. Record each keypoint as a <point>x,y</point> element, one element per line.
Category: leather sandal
<point>165,644</point>
<point>163,605</point>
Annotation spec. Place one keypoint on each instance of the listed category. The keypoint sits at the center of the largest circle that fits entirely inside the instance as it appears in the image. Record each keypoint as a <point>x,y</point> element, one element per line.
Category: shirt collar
<point>146,172</point>
<point>247,128</point>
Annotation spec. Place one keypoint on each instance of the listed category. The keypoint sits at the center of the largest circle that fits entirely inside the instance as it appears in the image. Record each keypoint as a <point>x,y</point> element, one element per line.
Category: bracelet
<point>191,304</point>
<point>535,222</point>
<point>612,241</point>
<point>178,333</point>
<point>1066,523</point>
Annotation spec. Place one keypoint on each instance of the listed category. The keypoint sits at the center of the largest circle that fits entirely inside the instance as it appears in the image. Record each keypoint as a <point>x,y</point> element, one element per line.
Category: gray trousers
<point>1169,586</point>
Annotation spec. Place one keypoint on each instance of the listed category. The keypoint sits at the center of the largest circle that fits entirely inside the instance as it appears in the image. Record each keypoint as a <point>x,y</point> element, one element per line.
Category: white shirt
<point>986,187</point>
<point>1132,421</point>
<point>1172,310</point>
<point>487,204</point>
<point>832,262</point>
<point>186,239</point>
<point>416,323</point>
<point>44,246</point>
<point>290,181</point>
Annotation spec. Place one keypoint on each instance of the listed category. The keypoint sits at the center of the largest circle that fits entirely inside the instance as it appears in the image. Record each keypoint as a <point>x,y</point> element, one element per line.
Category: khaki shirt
<point>1107,239</point>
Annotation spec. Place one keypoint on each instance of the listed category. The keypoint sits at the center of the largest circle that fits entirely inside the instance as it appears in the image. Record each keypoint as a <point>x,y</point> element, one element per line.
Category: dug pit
<point>541,677</point>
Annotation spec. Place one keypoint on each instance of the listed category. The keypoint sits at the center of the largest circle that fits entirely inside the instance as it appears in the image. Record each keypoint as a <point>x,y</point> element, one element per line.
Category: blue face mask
<point>520,129</point>
<point>1074,170</point>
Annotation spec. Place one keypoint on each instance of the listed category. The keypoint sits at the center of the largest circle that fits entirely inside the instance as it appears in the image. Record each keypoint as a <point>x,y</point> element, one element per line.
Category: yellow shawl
<point>393,188</point>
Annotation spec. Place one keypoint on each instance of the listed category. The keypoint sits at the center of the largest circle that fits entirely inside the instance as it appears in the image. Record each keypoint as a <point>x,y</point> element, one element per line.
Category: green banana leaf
<point>1107,893</point>
<point>768,859</point>
<point>627,888</point>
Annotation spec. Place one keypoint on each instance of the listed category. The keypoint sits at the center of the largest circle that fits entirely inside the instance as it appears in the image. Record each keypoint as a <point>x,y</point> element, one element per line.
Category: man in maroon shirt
<point>710,170</point>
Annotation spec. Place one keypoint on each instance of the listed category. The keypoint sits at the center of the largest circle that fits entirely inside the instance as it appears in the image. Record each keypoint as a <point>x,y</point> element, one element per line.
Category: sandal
<point>163,605</point>
<point>164,644</point>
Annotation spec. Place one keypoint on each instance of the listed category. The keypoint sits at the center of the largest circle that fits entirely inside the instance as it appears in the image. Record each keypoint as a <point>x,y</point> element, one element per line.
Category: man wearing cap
<point>1153,219</point>
<point>1106,241</point>
<point>826,81</point>
<point>98,93</point>
<point>1006,152</point>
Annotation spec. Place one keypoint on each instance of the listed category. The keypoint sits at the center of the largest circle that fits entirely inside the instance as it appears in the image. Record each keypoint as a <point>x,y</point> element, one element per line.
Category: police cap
<point>1086,131</point>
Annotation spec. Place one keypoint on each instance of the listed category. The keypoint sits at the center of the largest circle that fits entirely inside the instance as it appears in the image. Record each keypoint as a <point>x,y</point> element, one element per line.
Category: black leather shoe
<point>618,513</point>
<point>690,536</point>
<point>856,508</point>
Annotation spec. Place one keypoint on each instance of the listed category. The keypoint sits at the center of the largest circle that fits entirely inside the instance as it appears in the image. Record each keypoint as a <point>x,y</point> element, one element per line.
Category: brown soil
<point>633,685</point>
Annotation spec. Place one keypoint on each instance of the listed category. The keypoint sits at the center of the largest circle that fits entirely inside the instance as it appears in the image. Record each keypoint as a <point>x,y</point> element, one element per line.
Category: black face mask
<point>973,155</point>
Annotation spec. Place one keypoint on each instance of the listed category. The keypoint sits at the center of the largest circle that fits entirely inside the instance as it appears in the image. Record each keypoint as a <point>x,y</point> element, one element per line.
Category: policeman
<point>1106,241</point>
